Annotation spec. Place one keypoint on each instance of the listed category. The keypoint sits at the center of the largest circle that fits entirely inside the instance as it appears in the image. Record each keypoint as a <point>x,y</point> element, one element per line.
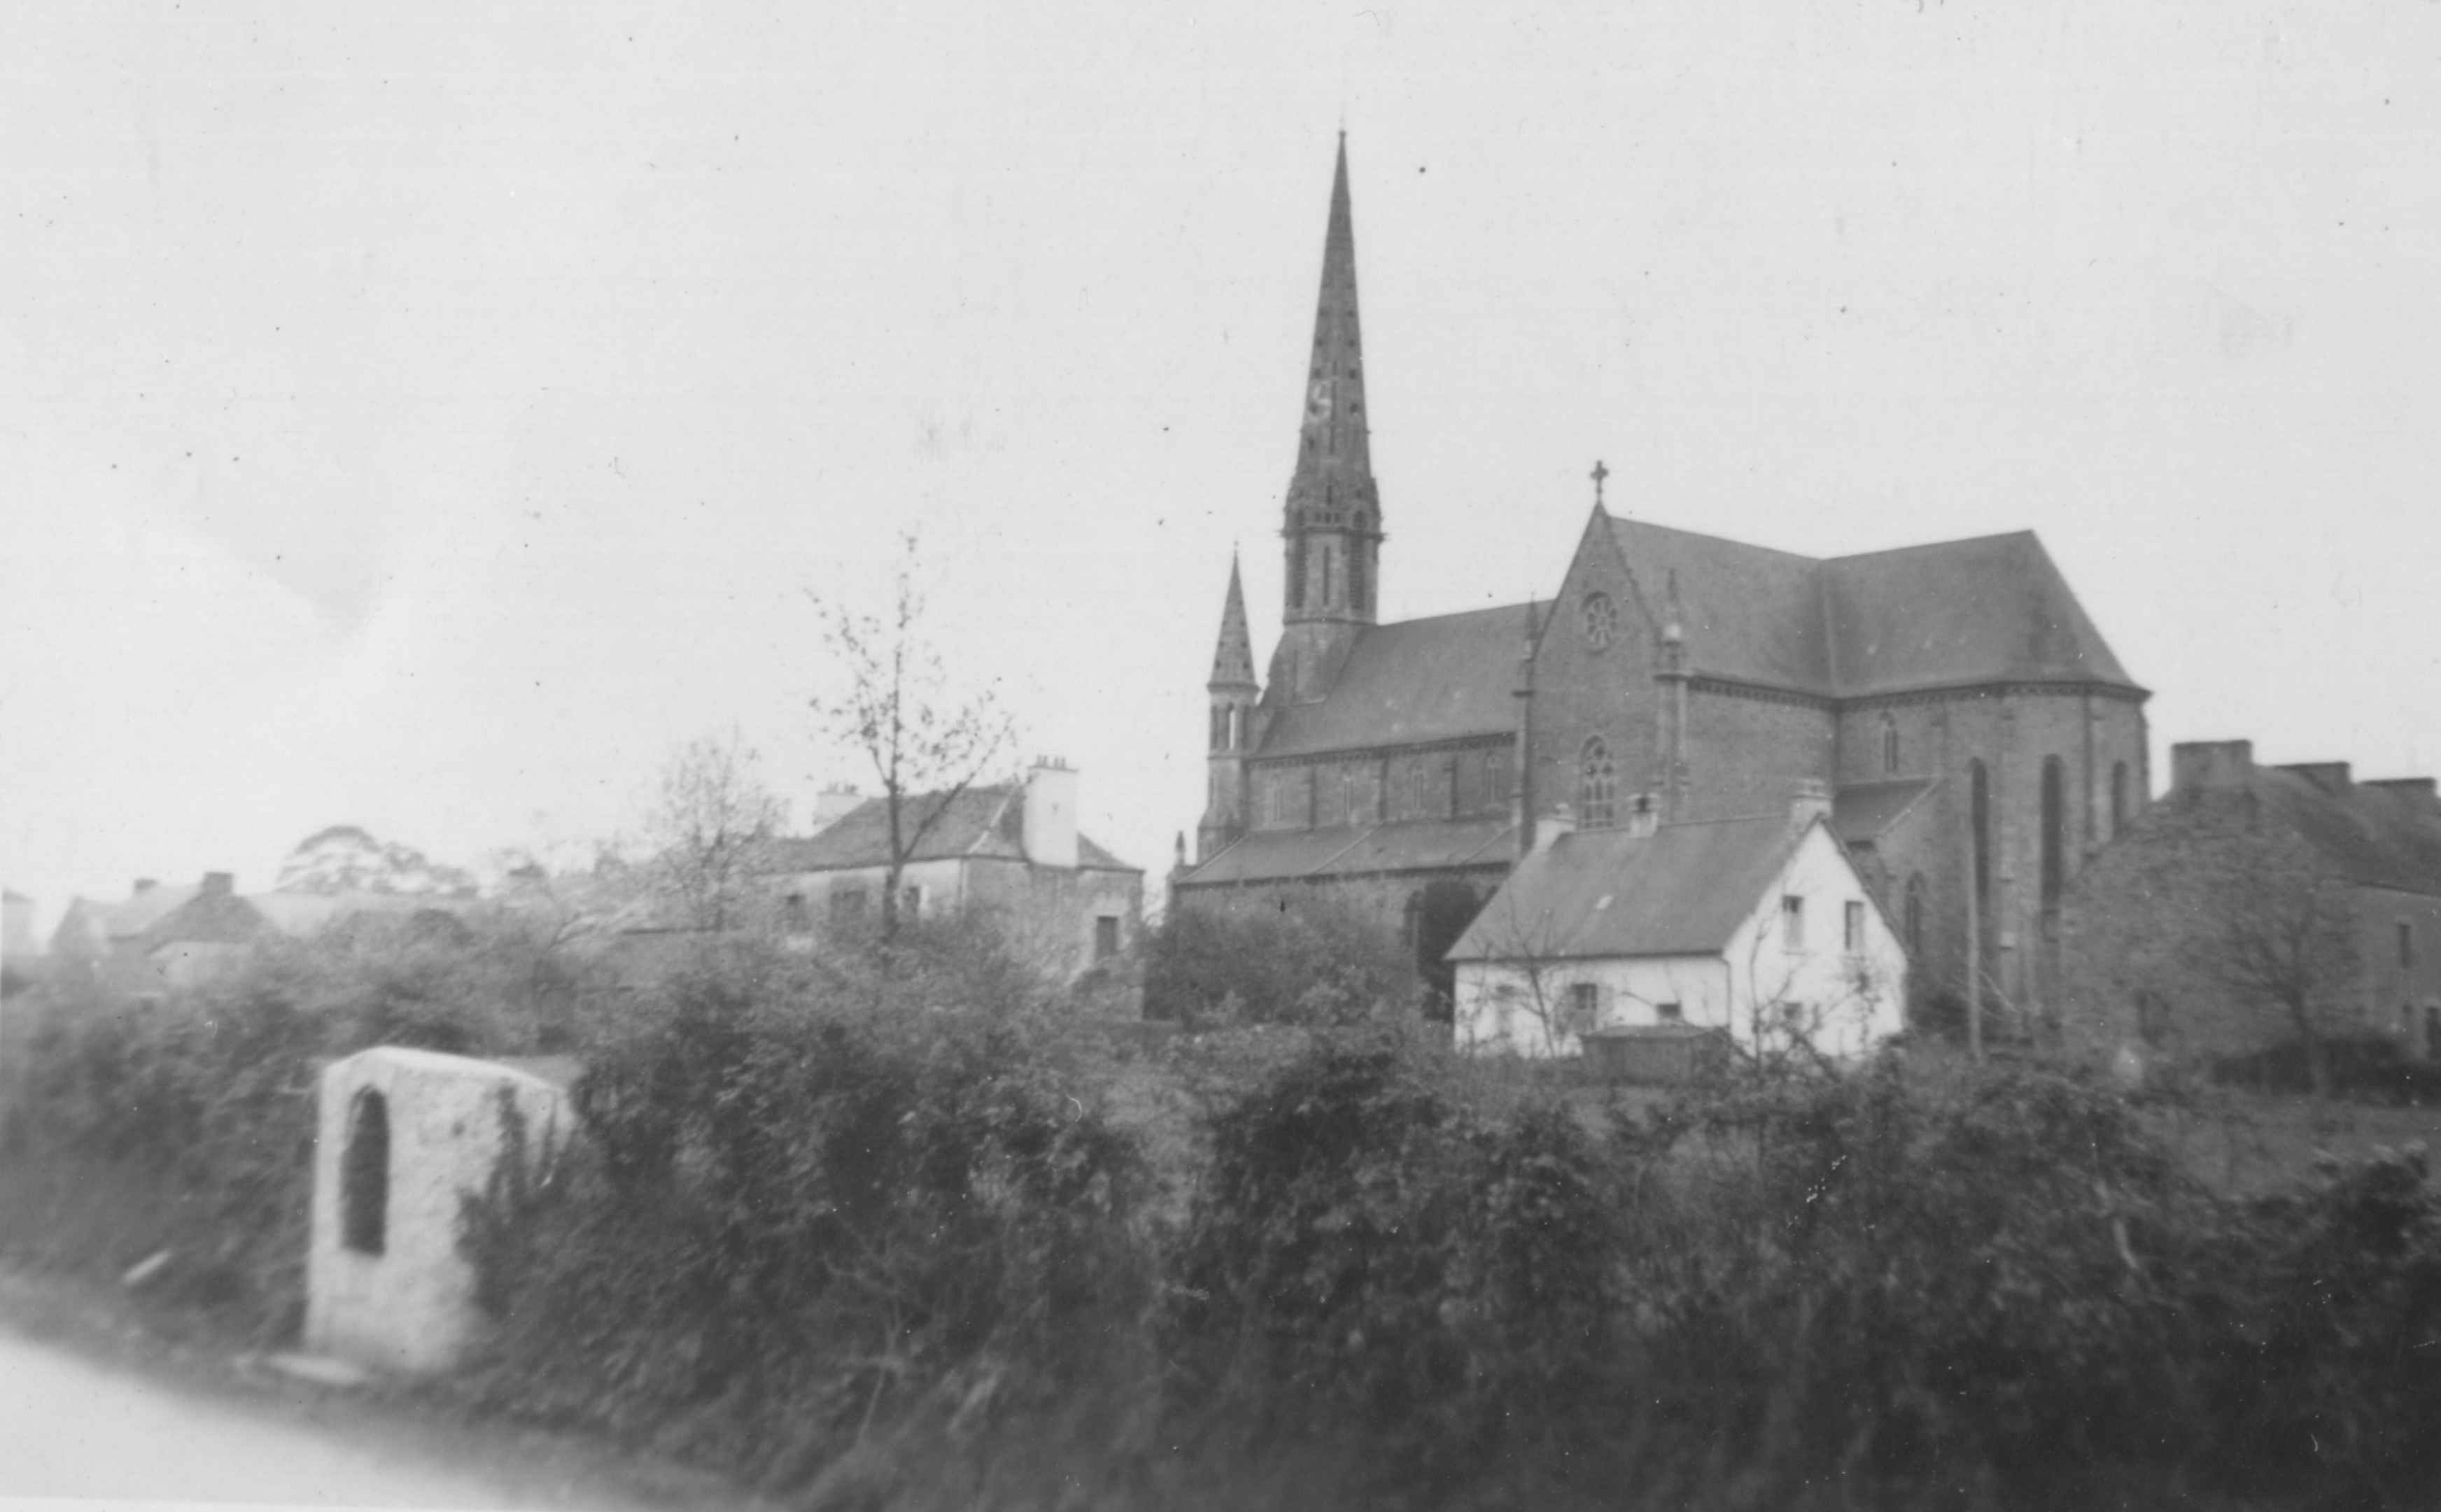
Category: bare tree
<point>2286,938</point>
<point>927,743</point>
<point>710,814</point>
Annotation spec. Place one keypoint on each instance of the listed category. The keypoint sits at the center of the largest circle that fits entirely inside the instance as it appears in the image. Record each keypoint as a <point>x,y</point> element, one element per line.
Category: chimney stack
<point>832,804</point>
<point>2331,777</point>
<point>1552,826</point>
<point>1813,801</point>
<point>1644,818</point>
<point>144,885</point>
<point>219,884</point>
<point>2419,792</point>
<point>1051,813</point>
<point>2200,766</point>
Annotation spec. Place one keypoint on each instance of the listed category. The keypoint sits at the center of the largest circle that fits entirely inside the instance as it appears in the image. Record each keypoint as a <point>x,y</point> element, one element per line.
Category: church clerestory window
<point>1890,745</point>
<point>1597,785</point>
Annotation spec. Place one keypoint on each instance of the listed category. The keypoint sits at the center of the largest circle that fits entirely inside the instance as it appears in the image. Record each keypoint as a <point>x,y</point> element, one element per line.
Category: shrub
<point>2372,1066</point>
<point>1322,963</point>
<point>1372,1257</point>
<point>796,1212</point>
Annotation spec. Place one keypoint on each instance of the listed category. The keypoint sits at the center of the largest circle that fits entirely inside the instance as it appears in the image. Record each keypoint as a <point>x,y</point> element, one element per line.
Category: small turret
<point>1234,700</point>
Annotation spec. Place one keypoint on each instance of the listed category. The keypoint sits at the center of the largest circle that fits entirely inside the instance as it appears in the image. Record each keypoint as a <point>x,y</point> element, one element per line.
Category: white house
<point>1758,926</point>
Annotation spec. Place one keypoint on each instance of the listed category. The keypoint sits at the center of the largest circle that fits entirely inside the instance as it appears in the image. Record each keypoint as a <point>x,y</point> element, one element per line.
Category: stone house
<point>1976,735</point>
<point>2250,894</point>
<point>1760,926</point>
<point>1012,851</point>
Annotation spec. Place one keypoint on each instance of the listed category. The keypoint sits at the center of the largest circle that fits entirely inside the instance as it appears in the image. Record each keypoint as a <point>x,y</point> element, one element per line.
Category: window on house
<point>364,1176</point>
<point>1890,743</point>
<point>1669,1013</point>
<point>1584,1008</point>
<point>1852,929</point>
<point>1106,936</point>
<point>847,905</point>
<point>1792,922</point>
<point>1597,785</point>
<point>911,905</point>
<point>792,911</point>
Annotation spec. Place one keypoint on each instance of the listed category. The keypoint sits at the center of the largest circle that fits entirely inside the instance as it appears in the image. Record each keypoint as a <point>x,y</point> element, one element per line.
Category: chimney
<point>1813,801</point>
<point>219,884</point>
<point>2210,766</point>
<point>2418,791</point>
<point>1051,813</point>
<point>2331,777</point>
<point>144,885</point>
<point>832,804</point>
<point>1552,826</point>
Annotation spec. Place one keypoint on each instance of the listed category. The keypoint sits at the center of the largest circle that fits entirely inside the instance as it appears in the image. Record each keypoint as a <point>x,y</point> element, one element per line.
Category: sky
<point>428,418</point>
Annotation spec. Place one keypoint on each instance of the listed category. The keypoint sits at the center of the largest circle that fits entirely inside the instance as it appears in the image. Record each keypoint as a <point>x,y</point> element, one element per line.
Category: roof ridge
<point>1617,521</point>
<point>1460,613</point>
<point>2027,531</point>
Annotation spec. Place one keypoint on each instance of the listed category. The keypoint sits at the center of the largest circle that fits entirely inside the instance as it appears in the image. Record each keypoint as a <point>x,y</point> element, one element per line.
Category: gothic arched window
<point>1979,805</point>
<point>2118,798</point>
<point>1890,743</point>
<point>2054,821</point>
<point>1597,785</point>
<point>1915,916</point>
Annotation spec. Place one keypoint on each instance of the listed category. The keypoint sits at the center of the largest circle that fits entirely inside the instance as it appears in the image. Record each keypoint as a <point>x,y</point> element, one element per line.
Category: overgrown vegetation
<point>190,1126</point>
<point>1321,963</point>
<point>868,1230</point>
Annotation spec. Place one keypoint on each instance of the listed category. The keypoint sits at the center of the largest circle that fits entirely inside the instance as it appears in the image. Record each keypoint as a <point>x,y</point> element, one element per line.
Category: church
<point>1972,732</point>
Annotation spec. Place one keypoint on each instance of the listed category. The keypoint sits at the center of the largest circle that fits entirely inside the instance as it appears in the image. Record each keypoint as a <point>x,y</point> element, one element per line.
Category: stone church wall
<point>1748,755</point>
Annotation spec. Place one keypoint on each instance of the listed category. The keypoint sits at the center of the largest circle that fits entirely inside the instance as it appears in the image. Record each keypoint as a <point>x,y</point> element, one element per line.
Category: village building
<point>1976,735</point>
<point>1010,850</point>
<point>2249,895</point>
<point>1760,928</point>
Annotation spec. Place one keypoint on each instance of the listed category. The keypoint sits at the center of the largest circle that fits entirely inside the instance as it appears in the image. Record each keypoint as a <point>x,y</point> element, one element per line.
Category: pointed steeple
<point>1332,528</point>
<point>1334,463</point>
<point>1233,659</point>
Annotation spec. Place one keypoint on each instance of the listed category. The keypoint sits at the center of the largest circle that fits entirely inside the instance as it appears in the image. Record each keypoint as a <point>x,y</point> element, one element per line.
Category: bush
<point>1371,1260</point>
<point>214,1092</point>
<point>1322,965</point>
<point>2373,1067</point>
<point>798,1212</point>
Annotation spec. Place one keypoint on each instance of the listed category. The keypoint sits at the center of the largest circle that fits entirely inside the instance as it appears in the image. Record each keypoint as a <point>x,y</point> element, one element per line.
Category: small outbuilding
<point>404,1136</point>
<point>1759,927</point>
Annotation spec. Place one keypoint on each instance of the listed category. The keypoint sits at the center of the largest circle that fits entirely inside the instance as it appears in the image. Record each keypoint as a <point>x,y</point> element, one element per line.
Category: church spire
<point>1334,465</point>
<point>1233,659</point>
<point>1332,524</point>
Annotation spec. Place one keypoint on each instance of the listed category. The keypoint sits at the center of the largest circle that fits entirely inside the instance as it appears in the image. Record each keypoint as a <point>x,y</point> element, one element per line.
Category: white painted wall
<point>1844,1001</point>
<point>411,1308</point>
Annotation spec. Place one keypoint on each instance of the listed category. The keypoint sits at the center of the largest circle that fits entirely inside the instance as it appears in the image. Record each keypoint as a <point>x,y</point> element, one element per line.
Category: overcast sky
<point>426,416</point>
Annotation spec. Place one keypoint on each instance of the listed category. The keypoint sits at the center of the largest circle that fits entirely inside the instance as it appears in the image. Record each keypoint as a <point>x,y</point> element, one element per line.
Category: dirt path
<point>93,1406</point>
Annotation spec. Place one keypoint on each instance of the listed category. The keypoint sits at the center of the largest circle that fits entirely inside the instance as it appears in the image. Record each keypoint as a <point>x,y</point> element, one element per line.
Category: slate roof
<point>980,821</point>
<point>207,918</point>
<point>1683,890</point>
<point>2369,836</point>
<point>1990,610</point>
<point>1861,812</point>
<point>1275,856</point>
<point>1444,677</point>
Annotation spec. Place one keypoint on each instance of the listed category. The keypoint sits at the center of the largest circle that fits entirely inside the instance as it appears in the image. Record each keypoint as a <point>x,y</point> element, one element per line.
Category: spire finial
<point>1599,474</point>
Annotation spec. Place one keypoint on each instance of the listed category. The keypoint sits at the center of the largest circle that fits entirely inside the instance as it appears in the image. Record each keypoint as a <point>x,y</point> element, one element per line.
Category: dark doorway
<point>1442,913</point>
<point>364,1176</point>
